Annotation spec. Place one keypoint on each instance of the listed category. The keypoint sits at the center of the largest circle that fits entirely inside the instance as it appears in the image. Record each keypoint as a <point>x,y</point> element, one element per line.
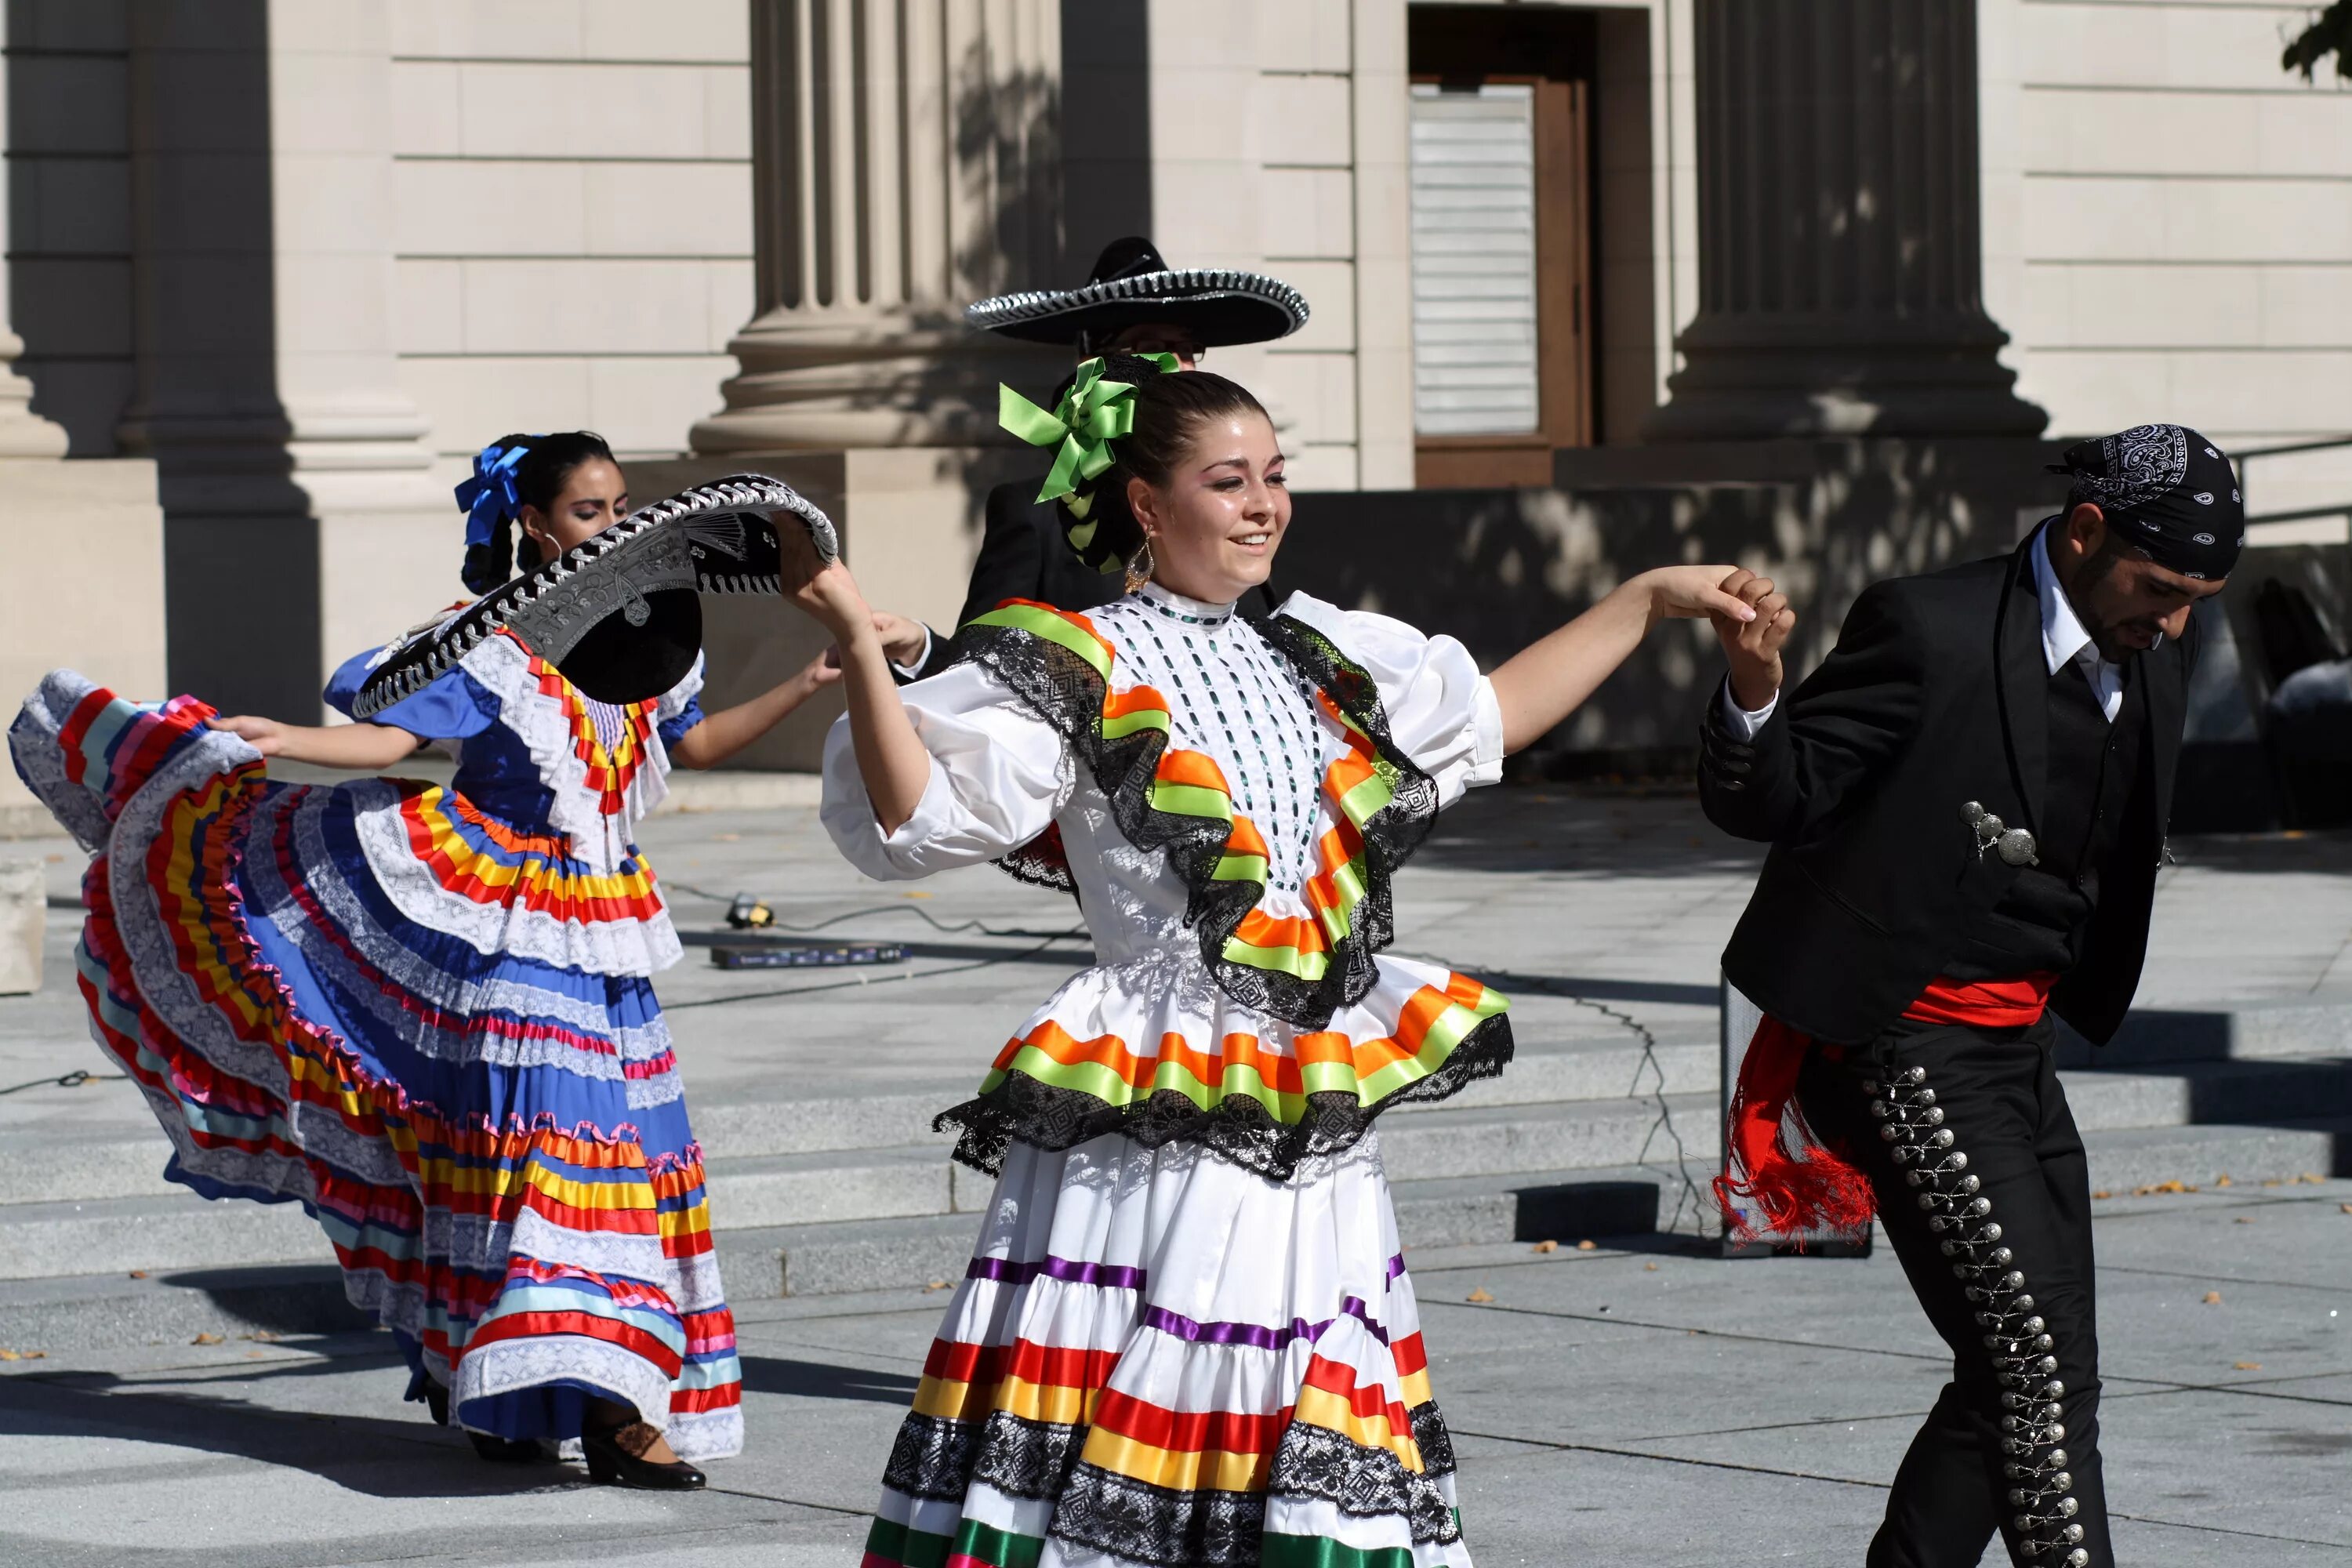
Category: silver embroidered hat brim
<point>1226,307</point>
<point>715,538</point>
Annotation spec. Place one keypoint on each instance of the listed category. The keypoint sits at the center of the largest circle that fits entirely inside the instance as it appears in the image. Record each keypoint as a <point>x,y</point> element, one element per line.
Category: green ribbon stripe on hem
<point>1321,1551</point>
<point>910,1548</point>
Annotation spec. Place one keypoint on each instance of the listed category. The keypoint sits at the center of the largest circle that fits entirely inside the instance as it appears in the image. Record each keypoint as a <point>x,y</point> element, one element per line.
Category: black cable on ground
<point>896,978</point>
<point>958,929</point>
<point>73,1079</point>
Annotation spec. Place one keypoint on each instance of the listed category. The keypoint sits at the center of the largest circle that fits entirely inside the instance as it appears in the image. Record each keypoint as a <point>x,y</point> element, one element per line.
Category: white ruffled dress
<point>1187,1335</point>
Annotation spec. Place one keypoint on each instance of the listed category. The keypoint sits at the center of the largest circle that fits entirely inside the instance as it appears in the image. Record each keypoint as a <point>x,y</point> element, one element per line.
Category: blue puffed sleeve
<point>453,707</point>
<point>673,728</point>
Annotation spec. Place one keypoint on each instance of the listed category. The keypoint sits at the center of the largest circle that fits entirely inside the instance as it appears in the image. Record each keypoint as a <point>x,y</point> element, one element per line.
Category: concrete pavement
<point>1626,1404</point>
<point>1640,1402</point>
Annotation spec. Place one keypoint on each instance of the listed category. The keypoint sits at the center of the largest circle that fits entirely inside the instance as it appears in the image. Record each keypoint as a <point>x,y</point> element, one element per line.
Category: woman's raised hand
<point>1690,591</point>
<point>823,589</point>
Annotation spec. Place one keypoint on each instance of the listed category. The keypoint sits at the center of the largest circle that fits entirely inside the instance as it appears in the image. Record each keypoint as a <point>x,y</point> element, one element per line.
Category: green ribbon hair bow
<point>1092,414</point>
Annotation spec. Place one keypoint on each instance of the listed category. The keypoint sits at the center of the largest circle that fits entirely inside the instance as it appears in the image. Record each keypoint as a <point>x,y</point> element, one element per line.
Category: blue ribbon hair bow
<point>490,497</point>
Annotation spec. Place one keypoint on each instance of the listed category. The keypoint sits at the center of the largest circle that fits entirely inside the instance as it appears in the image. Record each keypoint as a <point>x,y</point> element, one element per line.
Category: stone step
<point>2250,1032</point>
<point>829,1260</point>
<point>196,1284</point>
<point>125,1159</point>
<point>47,1176</point>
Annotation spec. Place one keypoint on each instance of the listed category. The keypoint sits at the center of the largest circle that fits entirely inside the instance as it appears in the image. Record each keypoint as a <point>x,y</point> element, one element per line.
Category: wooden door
<point>1502,278</point>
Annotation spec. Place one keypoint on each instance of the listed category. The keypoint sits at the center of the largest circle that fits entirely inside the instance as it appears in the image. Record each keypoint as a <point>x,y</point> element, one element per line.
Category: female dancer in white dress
<point>1187,1335</point>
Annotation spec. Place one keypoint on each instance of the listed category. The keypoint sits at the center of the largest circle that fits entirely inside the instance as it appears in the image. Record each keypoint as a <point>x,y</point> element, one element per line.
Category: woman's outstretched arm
<point>1549,680</point>
<point>362,746</point>
<point>722,734</point>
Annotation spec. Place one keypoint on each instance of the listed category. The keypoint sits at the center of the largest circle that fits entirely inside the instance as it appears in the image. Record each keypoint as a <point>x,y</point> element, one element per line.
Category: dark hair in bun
<point>493,553</point>
<point>1171,408</point>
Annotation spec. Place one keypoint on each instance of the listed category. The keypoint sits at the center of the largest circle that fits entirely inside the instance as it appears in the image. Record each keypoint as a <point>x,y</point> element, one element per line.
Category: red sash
<point>1810,1186</point>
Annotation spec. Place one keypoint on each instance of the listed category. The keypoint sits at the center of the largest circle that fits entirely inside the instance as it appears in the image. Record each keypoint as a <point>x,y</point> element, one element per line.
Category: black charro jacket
<point>1937,694</point>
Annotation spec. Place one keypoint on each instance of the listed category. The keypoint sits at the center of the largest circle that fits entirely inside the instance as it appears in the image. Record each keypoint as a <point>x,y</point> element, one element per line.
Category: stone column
<point>906,161</point>
<point>23,432</point>
<point>300,520</point>
<point>1839,234</point>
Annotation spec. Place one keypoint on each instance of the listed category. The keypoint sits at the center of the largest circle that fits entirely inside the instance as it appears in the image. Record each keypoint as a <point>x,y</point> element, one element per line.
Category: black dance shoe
<point>615,1466</point>
<point>497,1450</point>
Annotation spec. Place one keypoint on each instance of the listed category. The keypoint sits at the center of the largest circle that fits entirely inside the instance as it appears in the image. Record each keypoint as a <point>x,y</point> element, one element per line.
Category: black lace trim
<point>1237,1130</point>
<point>1433,1438</point>
<point>1369,1483</point>
<point>936,1457</point>
<point>1068,693</point>
<point>1137,1523</point>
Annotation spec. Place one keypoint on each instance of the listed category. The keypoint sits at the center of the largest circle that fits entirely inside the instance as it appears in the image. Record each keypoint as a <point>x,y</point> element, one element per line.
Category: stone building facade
<point>292,261</point>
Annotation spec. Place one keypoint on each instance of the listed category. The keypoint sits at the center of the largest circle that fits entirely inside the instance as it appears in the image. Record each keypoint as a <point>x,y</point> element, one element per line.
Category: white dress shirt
<point>2064,641</point>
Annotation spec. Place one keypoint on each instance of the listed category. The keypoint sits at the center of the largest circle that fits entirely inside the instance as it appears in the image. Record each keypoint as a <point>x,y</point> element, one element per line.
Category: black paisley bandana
<point>2170,491</point>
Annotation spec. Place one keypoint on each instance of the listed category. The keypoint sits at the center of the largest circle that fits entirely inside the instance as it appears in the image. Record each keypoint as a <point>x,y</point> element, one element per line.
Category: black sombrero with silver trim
<point>1133,287</point>
<point>621,615</point>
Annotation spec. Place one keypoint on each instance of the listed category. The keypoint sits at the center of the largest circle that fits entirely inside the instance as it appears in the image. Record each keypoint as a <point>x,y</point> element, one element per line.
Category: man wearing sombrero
<point>1134,303</point>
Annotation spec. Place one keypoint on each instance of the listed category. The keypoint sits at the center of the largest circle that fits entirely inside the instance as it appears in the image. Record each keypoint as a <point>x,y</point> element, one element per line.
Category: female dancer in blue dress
<point>425,1013</point>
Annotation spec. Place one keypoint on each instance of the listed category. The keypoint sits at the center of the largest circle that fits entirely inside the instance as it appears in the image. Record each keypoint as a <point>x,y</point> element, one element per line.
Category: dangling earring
<point>1140,566</point>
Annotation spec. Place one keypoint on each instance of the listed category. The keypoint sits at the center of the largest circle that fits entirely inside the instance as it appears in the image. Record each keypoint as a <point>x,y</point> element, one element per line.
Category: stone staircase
<point>813,1195</point>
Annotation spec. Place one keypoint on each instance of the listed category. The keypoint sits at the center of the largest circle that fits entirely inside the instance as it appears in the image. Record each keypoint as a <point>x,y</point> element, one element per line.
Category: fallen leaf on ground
<point>205,1339</point>
<point>2212,1297</point>
<point>2247,1366</point>
<point>11,1355</point>
<point>2314,1177</point>
<point>2220,1180</point>
<point>139,1274</point>
<point>2103,1193</point>
<point>936,1285</point>
<point>2274,1182</point>
<point>2346,1208</point>
<point>2242,1219</point>
<point>1480,1294</point>
<point>726,837</point>
<point>1545,1247</point>
<point>1649,1268</point>
<point>918,893</point>
<point>1584,1246</point>
<point>262,1336</point>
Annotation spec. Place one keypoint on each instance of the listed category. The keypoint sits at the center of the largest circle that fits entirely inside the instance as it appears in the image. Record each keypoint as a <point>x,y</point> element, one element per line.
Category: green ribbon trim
<point>1093,414</point>
<point>1322,1551</point>
<point>911,1548</point>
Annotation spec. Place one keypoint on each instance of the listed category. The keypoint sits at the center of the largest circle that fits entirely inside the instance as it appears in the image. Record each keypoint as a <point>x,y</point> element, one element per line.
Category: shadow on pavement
<point>374,1456</point>
<point>816,1380</point>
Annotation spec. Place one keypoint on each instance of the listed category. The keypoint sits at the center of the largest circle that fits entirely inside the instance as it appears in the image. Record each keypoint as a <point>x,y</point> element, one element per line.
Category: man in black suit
<point>1133,303</point>
<point>1967,804</point>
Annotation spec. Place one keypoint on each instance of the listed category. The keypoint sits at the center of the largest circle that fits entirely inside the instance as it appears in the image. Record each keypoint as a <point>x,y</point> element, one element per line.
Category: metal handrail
<point>2303,514</point>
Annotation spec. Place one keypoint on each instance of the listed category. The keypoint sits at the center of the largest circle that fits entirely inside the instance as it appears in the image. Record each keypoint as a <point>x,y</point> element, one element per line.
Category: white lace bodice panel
<point>1233,698</point>
<point>1001,775</point>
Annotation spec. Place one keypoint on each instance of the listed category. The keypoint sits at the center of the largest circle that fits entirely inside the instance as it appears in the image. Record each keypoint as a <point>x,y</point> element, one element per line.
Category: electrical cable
<point>73,1079</point>
<point>897,977</point>
<point>957,929</point>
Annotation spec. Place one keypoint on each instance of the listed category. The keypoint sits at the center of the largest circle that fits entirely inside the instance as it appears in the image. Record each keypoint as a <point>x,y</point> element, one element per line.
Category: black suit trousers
<point>1992,1435</point>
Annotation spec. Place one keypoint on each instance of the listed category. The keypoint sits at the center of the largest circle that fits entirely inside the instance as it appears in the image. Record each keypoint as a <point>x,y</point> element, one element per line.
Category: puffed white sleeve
<point>1440,709</point>
<point>999,774</point>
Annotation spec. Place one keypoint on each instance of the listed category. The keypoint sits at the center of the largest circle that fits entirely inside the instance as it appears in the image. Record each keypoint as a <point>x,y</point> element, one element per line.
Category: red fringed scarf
<point>1789,1180</point>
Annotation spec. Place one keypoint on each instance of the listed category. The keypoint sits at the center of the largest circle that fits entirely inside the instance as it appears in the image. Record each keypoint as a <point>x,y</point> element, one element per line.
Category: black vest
<point>2095,767</point>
